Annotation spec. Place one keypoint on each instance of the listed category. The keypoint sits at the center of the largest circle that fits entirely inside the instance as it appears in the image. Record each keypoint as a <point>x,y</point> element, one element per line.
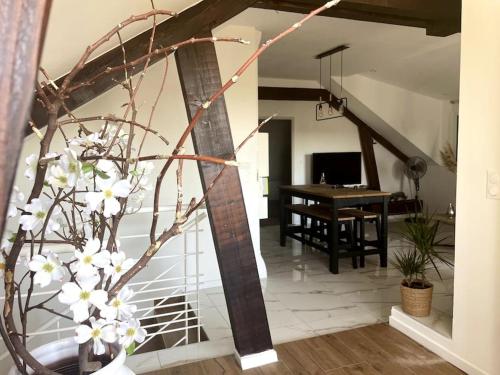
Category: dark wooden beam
<point>376,136</point>
<point>304,94</point>
<point>369,160</point>
<point>207,14</point>
<point>332,51</point>
<point>199,76</point>
<point>293,94</point>
<point>438,17</point>
<point>22,30</point>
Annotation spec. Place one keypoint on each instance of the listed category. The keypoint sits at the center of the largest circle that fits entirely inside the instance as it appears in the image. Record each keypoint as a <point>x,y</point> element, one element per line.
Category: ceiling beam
<point>305,94</point>
<point>332,51</point>
<point>438,17</point>
<point>292,94</point>
<point>207,14</point>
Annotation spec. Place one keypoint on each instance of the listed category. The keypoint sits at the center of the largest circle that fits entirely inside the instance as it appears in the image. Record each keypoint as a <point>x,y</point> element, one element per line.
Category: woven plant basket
<point>417,302</point>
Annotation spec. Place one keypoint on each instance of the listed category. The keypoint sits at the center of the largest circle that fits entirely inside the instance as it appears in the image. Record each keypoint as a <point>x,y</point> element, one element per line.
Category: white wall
<point>426,122</point>
<point>336,135</point>
<point>421,119</point>
<point>476,314</point>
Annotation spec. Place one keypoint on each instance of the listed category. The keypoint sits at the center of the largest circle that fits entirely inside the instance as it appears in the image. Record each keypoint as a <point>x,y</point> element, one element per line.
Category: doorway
<point>279,134</point>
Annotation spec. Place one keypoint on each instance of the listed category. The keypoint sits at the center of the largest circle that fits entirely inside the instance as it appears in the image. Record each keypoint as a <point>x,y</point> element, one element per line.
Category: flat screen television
<point>340,168</point>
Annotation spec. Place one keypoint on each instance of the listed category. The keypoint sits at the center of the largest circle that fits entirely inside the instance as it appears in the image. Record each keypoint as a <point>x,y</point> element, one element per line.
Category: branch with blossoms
<point>80,195</point>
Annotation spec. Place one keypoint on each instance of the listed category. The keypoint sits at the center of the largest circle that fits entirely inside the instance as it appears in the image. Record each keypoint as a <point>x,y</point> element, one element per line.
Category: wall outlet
<point>493,185</point>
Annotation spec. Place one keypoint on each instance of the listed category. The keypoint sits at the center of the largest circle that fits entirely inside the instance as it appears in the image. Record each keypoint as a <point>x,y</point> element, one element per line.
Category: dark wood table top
<point>329,192</point>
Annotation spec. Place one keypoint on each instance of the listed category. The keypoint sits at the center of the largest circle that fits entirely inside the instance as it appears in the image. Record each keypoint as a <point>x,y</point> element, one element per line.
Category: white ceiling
<point>74,24</point>
<point>402,56</point>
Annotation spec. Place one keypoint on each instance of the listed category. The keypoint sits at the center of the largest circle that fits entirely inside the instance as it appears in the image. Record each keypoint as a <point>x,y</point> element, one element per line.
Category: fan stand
<point>414,216</point>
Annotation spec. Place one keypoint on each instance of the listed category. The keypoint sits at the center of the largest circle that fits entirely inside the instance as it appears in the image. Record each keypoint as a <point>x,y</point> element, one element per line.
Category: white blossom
<point>141,172</point>
<point>16,198</point>
<point>118,307</point>
<point>46,269</point>
<point>88,141</point>
<point>130,332</point>
<point>31,164</point>
<point>90,259</point>
<point>109,191</point>
<point>58,177</point>
<point>121,139</point>
<point>119,265</point>
<point>39,208</point>
<point>144,168</point>
<point>108,167</point>
<point>98,331</point>
<point>7,241</point>
<point>67,172</point>
<point>80,296</point>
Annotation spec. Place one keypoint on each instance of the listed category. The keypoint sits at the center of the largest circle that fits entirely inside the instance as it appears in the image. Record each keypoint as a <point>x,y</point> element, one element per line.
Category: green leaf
<point>87,167</point>
<point>12,238</point>
<point>131,349</point>
<point>135,173</point>
<point>101,173</point>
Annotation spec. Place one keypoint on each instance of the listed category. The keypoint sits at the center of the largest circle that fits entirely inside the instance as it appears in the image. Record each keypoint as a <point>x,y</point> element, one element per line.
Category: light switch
<point>493,185</point>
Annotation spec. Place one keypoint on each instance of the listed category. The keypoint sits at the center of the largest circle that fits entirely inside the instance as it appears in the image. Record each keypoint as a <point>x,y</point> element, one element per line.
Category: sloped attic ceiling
<point>399,55</point>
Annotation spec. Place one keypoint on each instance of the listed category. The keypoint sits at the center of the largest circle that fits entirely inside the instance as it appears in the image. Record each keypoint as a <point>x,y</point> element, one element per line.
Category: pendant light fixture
<point>333,107</point>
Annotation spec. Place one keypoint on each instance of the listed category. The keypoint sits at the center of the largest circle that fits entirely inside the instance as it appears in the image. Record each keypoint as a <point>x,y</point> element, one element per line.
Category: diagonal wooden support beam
<point>369,160</point>
<point>22,31</point>
<point>199,75</point>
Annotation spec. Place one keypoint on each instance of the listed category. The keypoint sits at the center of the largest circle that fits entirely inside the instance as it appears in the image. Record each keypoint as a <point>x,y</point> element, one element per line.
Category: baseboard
<point>256,360</point>
<point>431,340</point>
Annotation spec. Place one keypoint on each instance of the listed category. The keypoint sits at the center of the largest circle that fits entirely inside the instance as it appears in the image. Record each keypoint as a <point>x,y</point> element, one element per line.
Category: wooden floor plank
<point>358,369</point>
<point>372,350</point>
<point>330,354</point>
<point>407,352</point>
<point>296,358</point>
<point>278,368</point>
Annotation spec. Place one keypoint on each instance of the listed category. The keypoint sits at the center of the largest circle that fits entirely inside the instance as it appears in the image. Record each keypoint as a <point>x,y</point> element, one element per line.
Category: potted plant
<point>78,196</point>
<point>414,261</point>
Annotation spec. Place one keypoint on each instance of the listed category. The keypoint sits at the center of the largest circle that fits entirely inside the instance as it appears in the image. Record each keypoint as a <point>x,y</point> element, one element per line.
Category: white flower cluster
<point>100,189</point>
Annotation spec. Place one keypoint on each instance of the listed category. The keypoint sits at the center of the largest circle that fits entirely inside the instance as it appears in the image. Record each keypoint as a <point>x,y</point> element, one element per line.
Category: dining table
<point>337,198</point>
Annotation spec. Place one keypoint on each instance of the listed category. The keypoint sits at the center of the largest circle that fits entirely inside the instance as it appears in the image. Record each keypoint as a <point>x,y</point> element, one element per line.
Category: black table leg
<point>384,232</point>
<point>283,219</point>
<point>334,240</point>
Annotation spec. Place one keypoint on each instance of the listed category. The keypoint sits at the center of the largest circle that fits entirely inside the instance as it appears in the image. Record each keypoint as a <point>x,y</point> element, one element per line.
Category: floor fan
<point>415,169</point>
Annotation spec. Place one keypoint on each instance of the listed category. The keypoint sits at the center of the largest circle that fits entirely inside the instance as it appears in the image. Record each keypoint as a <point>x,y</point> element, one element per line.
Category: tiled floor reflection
<point>304,299</point>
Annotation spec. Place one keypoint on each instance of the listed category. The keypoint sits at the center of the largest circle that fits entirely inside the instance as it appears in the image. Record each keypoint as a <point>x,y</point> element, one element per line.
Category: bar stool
<point>363,217</point>
<point>347,234</point>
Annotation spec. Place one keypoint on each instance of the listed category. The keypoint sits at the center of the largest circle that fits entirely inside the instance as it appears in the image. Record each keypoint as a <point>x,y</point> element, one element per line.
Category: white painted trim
<point>256,360</point>
<point>430,339</point>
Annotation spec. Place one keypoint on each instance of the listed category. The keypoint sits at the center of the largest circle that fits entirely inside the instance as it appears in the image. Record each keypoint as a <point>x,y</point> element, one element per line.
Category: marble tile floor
<point>303,299</point>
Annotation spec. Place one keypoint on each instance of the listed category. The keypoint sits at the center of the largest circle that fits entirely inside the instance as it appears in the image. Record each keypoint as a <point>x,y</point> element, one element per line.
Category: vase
<point>62,351</point>
<point>451,211</point>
